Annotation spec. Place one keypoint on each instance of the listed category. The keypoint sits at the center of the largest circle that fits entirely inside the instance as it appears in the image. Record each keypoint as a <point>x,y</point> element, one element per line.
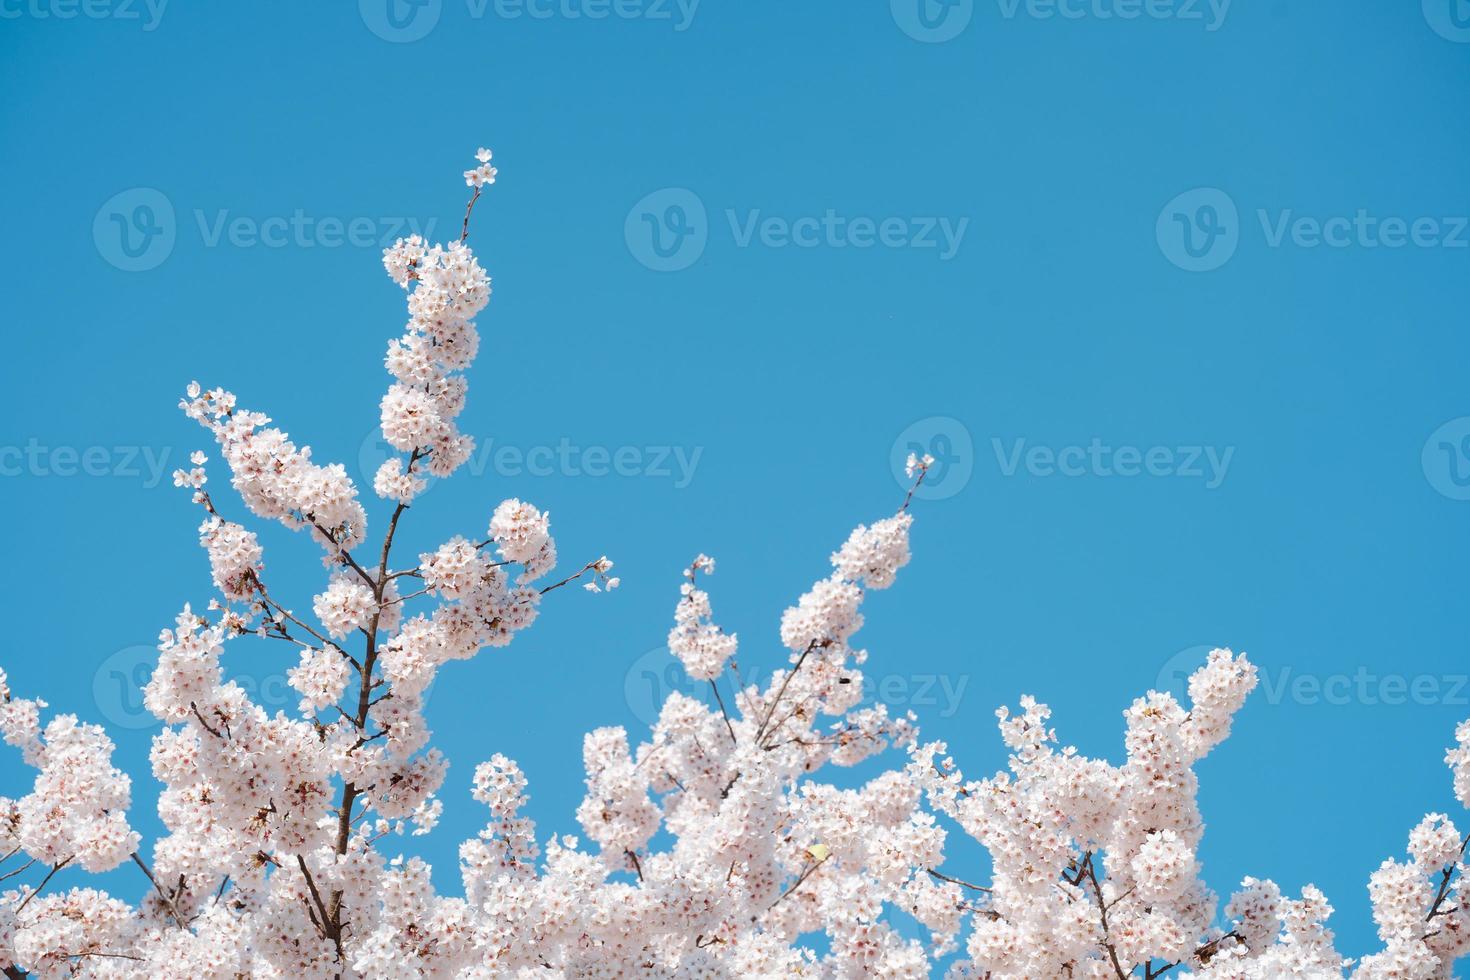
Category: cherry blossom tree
<point>709,847</point>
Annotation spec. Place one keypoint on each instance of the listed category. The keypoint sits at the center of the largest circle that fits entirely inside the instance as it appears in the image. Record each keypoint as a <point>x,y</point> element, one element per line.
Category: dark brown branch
<point>723,713</point>
<point>637,865</point>
<point>1444,883</point>
<point>464,232</point>
<point>170,903</point>
<point>810,870</point>
<point>957,881</point>
<point>923,471</point>
<point>23,867</point>
<point>570,578</point>
<point>332,932</point>
<point>1090,873</point>
<point>44,881</point>
<point>785,682</point>
<point>207,726</point>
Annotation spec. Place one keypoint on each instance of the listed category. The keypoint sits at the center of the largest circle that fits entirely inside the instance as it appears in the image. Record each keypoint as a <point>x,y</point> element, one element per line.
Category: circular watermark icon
<point>1446,459</point>
<point>1449,18</point>
<point>650,680</point>
<point>400,21</point>
<point>932,21</point>
<point>117,687</point>
<point>135,230</point>
<point>1174,674</point>
<point>374,451</point>
<point>657,673</point>
<point>1199,230</point>
<point>667,230</point>
<point>948,441</point>
<point>1281,685</point>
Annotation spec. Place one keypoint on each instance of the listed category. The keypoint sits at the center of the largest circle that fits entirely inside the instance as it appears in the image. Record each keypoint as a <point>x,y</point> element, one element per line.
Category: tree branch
<point>171,903</point>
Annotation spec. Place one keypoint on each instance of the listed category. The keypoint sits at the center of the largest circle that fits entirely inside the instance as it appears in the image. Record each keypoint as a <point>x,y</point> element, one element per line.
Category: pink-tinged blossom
<point>712,845</point>
<point>347,605</point>
<point>701,646</point>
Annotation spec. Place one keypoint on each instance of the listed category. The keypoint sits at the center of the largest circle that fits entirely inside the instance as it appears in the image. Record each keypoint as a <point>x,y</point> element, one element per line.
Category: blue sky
<point>1176,291</point>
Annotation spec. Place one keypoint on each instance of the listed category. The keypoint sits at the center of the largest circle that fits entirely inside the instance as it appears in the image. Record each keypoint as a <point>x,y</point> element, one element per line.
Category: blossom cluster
<point>710,846</point>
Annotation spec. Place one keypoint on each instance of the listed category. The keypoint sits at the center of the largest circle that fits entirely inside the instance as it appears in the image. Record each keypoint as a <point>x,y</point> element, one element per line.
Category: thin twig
<point>957,881</point>
<point>771,709</point>
<point>810,870</point>
<point>173,907</point>
<point>12,874</point>
<point>725,714</point>
<point>42,885</point>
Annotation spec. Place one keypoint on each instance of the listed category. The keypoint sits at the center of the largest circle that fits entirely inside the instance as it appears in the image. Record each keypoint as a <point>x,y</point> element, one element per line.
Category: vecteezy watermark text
<point>948,441</point>
<point>137,229</point>
<point>669,230</point>
<point>1200,229</point>
<point>403,21</point>
<point>565,458</point>
<point>148,13</point>
<point>674,463</point>
<point>36,459</point>
<point>1100,459</point>
<point>832,230</point>
<point>936,21</point>
<point>1360,685</point>
<point>1366,687</point>
<point>1210,13</point>
<point>656,674</point>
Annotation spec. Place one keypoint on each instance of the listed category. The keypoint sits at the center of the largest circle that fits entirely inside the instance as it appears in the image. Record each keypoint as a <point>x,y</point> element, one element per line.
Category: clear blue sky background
<point>1331,550</point>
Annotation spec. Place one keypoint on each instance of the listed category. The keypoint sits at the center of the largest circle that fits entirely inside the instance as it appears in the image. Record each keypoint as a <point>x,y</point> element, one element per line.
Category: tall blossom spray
<point>709,848</point>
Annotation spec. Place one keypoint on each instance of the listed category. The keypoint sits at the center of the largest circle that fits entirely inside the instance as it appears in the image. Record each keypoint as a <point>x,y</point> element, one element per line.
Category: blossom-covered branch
<point>710,845</point>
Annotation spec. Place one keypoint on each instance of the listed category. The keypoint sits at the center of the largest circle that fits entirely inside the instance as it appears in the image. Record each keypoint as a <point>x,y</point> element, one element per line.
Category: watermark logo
<point>936,21</point>
<point>1097,458</point>
<point>1288,685</point>
<point>1199,230</point>
<point>36,459</point>
<point>1363,686</point>
<point>1210,13</point>
<point>932,21</point>
<point>1362,230</point>
<point>675,465</point>
<point>1174,674</point>
<point>667,230</point>
<point>135,230</point>
<point>930,695</point>
<point>1449,18</point>
<point>680,13</point>
<point>833,230</point>
<point>948,441</point>
<point>657,673</point>
<point>1446,459</point>
<point>117,687</point>
<point>400,21</point>
<point>147,12</point>
<point>302,230</point>
<point>374,451</point>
